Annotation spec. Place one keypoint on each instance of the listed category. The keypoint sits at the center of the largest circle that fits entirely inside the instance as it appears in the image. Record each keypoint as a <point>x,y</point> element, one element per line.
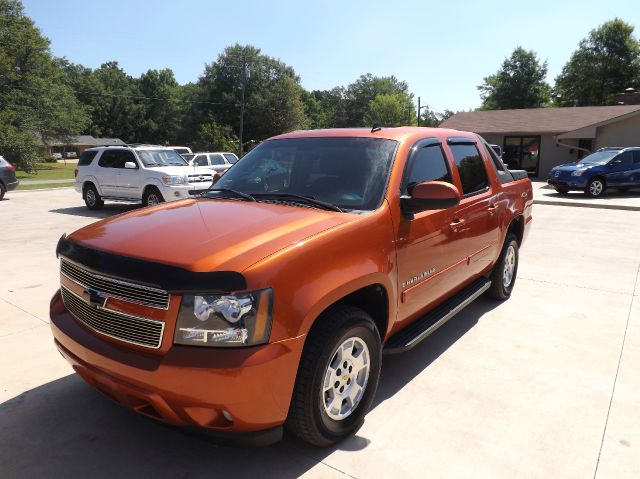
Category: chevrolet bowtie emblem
<point>94,298</point>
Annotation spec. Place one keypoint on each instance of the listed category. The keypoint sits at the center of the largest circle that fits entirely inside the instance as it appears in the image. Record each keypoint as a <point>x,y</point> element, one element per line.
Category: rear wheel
<point>92,198</point>
<point>562,191</point>
<point>3,190</point>
<point>337,377</point>
<point>595,188</point>
<point>503,275</point>
<point>152,196</point>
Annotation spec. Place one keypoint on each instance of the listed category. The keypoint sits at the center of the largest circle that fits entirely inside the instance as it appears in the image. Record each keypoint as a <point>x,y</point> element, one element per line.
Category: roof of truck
<point>397,133</point>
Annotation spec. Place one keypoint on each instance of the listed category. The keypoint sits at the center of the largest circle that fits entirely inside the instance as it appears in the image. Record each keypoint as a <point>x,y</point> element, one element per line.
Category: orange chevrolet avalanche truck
<point>268,301</point>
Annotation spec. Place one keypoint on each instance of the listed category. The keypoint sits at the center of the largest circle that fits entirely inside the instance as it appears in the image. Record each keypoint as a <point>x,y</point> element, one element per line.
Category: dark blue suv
<point>606,168</point>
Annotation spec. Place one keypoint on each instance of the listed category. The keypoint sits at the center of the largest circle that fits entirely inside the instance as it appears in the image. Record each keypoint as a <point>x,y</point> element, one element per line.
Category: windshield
<point>599,157</point>
<point>151,158</point>
<point>230,158</point>
<point>350,173</point>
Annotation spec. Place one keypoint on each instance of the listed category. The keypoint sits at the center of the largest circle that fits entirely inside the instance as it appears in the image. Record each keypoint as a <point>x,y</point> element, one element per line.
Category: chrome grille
<point>124,327</point>
<point>200,178</point>
<point>131,292</point>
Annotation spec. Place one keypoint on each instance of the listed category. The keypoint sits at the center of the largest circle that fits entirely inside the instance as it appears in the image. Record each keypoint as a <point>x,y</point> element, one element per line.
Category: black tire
<point>3,190</point>
<point>592,190</point>
<point>92,198</point>
<point>152,196</point>
<point>501,289</point>
<point>308,417</point>
<point>562,191</point>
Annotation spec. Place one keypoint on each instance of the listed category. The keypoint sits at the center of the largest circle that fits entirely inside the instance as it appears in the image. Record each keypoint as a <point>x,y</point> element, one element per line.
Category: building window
<point>522,153</point>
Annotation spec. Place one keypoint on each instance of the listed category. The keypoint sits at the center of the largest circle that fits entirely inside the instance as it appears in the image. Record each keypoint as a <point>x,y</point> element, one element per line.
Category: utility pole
<point>244,85</point>
<point>418,111</point>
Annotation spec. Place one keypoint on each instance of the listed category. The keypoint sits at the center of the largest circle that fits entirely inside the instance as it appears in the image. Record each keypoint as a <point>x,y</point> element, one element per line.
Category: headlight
<point>225,320</point>
<point>578,172</point>
<point>175,180</point>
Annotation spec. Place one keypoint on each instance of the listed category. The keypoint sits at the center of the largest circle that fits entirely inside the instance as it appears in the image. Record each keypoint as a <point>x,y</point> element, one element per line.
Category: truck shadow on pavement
<point>66,429</point>
<point>105,212</point>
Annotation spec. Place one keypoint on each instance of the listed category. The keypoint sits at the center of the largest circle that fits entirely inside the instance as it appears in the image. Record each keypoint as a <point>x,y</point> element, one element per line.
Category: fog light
<point>177,194</point>
<point>227,415</point>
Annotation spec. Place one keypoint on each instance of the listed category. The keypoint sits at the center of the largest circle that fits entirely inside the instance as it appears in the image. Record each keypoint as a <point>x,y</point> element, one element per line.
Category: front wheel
<point>337,377</point>
<point>503,275</point>
<point>595,188</point>
<point>152,196</point>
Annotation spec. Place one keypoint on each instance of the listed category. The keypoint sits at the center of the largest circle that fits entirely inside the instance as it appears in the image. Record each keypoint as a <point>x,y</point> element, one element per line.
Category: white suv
<point>218,162</point>
<point>147,173</point>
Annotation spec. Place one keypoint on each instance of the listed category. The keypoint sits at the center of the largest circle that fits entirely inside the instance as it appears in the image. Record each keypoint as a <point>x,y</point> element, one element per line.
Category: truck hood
<point>177,170</point>
<point>207,235</point>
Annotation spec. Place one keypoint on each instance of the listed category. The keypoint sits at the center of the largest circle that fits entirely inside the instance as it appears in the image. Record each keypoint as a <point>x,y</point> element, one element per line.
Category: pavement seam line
<point>338,470</point>
<point>615,379</point>
<point>577,286</point>
<point>22,331</point>
<point>23,310</point>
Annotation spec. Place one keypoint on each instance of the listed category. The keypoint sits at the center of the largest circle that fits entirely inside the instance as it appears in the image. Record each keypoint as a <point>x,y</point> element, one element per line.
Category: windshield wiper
<point>302,199</point>
<point>239,194</point>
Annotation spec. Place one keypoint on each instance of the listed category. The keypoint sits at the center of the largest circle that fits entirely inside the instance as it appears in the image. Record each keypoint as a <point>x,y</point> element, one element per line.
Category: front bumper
<point>172,193</point>
<point>188,386</point>
<point>568,182</point>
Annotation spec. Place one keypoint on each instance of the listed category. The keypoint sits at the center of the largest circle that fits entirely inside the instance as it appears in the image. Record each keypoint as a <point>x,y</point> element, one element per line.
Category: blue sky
<point>442,49</point>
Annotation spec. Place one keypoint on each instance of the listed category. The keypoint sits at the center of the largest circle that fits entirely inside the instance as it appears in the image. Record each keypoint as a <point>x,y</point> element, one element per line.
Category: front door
<point>430,246</point>
<point>129,181</point>
<point>620,170</point>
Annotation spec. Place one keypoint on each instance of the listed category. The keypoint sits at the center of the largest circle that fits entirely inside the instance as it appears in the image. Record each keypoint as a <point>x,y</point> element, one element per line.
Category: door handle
<point>492,209</point>
<point>456,224</point>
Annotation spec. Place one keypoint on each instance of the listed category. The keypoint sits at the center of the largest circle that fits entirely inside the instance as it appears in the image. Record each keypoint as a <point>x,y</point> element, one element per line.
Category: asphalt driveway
<point>543,385</point>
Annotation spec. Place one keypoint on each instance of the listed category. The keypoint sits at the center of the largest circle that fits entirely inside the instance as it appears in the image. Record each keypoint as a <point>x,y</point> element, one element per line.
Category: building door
<point>522,153</point>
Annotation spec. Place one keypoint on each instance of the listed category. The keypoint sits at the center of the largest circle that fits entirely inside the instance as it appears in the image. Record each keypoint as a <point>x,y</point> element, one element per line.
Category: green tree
<point>36,104</point>
<point>215,137</point>
<point>519,83</point>
<point>390,109</point>
<point>606,62</point>
<point>333,107</point>
<point>273,95</point>
<point>161,107</point>
<point>365,89</point>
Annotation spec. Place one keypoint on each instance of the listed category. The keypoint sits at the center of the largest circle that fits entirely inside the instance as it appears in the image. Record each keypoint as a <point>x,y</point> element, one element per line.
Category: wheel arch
<point>516,226</point>
<point>90,180</point>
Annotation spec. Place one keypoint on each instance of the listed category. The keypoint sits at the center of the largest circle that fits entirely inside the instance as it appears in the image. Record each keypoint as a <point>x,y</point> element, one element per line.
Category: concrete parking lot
<point>543,385</point>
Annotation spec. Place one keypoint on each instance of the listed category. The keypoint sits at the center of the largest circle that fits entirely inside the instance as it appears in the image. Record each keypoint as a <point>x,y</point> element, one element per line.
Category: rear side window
<point>230,158</point>
<point>426,164</point>
<point>471,168</point>
<point>636,156</point>
<point>87,157</point>
<point>216,159</point>
<point>504,176</point>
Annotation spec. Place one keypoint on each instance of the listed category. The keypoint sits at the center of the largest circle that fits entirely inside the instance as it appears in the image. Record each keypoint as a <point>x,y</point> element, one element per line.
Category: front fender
<point>314,273</point>
<point>94,180</point>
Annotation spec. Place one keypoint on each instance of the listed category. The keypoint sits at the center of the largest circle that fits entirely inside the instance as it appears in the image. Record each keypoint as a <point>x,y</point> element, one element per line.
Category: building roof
<point>537,120</point>
<point>87,140</point>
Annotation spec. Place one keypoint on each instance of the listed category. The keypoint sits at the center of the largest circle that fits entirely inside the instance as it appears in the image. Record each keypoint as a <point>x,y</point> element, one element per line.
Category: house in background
<point>537,139</point>
<point>76,145</point>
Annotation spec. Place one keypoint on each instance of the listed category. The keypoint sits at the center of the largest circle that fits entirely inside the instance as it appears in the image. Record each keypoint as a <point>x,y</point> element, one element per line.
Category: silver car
<point>218,161</point>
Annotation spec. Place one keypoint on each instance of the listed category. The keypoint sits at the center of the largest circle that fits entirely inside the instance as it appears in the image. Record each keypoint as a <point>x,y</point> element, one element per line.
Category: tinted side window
<point>107,159</point>
<point>626,157</point>
<point>636,156</point>
<point>87,157</point>
<point>426,164</point>
<point>471,167</point>
<point>216,159</point>
<point>200,160</point>
<point>122,156</point>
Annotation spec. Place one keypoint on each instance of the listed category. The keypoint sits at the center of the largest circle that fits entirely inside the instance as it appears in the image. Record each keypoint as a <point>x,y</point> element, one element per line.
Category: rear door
<point>430,248</point>
<point>479,210</point>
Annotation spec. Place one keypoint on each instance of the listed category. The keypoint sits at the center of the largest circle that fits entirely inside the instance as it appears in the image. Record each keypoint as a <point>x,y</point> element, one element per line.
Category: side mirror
<point>615,162</point>
<point>430,195</point>
<point>130,165</point>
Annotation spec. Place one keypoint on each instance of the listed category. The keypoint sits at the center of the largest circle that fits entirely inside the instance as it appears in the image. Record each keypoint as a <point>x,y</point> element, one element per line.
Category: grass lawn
<point>49,171</point>
<point>41,186</point>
